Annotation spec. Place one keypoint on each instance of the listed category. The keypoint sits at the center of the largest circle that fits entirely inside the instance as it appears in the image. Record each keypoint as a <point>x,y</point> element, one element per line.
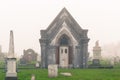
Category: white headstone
<point>38,58</point>
<point>38,62</point>
<point>37,65</point>
<point>33,77</point>
<point>112,62</point>
<point>52,70</point>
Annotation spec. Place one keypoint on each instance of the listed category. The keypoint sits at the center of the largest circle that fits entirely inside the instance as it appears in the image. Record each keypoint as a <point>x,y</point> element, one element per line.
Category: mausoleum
<point>64,43</point>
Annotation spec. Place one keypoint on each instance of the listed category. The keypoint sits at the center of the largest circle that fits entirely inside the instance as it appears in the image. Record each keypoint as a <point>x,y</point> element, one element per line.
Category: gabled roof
<point>64,15</point>
<point>58,24</point>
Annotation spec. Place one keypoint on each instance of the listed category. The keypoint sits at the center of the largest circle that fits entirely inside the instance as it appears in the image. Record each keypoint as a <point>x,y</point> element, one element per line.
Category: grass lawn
<point>77,74</point>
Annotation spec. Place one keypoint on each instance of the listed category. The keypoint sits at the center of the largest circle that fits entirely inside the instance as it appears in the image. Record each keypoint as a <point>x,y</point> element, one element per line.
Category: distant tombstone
<point>112,62</point>
<point>33,77</point>
<point>52,70</point>
<point>116,59</point>
<point>96,62</point>
<point>37,65</point>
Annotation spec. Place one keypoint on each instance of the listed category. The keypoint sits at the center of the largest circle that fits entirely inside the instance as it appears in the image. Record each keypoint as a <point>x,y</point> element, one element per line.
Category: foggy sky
<point>27,17</point>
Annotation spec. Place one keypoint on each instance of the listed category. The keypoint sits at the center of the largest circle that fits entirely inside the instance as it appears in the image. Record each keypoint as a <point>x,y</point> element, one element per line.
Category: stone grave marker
<point>37,65</point>
<point>52,70</point>
<point>33,77</point>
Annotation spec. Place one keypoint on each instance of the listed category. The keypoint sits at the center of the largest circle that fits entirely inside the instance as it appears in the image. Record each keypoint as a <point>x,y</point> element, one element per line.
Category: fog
<point>27,17</point>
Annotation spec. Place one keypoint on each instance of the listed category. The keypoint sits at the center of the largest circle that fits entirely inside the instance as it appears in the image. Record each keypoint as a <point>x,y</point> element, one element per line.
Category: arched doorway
<point>64,54</point>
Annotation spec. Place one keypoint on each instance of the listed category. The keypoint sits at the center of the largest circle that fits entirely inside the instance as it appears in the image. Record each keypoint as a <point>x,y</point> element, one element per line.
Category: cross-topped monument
<point>97,51</point>
<point>96,54</point>
<point>11,73</point>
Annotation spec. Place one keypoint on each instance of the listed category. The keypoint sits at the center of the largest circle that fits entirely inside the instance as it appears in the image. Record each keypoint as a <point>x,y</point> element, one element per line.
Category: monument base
<point>11,78</point>
<point>96,62</point>
<point>11,74</point>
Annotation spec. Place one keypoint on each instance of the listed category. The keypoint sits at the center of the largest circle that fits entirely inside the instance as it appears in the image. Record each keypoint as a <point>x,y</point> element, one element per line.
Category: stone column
<point>51,55</point>
<point>78,54</point>
<point>54,54</point>
<point>43,54</point>
<point>74,56</point>
<point>85,54</point>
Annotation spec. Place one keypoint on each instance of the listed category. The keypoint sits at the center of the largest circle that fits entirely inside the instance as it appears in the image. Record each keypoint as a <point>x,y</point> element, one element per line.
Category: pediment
<point>63,16</point>
<point>65,21</point>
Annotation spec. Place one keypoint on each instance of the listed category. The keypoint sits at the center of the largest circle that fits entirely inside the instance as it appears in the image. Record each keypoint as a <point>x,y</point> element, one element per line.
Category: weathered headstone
<point>11,73</point>
<point>33,77</point>
<point>112,62</point>
<point>37,65</point>
<point>52,70</point>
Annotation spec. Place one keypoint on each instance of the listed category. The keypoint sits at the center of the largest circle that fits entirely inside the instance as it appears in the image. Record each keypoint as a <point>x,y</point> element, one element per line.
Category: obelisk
<point>11,73</point>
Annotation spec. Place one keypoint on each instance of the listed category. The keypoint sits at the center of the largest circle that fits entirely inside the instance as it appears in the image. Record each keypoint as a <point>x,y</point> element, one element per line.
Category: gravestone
<point>112,62</point>
<point>52,70</point>
<point>33,77</point>
<point>37,65</point>
<point>96,62</point>
<point>11,73</point>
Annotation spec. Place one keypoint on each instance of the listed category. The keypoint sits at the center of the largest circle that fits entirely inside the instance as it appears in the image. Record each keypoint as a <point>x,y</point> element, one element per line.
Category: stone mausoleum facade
<point>64,43</point>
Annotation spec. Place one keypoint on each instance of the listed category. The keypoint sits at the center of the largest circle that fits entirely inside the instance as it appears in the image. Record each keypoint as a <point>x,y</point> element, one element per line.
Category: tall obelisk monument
<point>11,73</point>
